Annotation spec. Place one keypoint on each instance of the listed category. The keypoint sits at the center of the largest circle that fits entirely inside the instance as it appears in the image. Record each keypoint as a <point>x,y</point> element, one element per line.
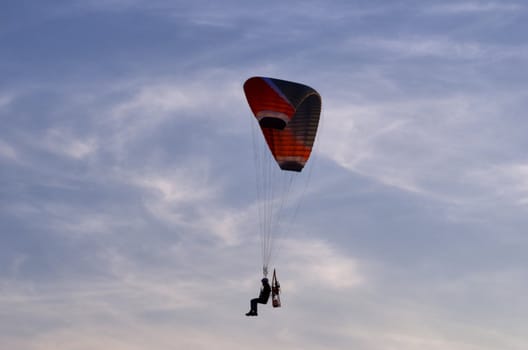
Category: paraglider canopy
<point>288,114</point>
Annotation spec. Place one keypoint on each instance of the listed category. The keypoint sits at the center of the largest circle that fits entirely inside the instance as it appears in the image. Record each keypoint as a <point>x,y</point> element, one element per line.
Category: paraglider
<point>288,117</point>
<point>263,297</point>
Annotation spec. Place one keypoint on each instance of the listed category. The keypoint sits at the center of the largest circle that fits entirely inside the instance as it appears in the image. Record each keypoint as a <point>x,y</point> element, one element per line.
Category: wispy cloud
<point>188,197</point>
<point>505,181</point>
<point>437,47</point>
<point>7,151</point>
<point>5,100</point>
<point>474,7</point>
<point>65,142</point>
<point>423,47</point>
<point>432,158</point>
<point>317,262</point>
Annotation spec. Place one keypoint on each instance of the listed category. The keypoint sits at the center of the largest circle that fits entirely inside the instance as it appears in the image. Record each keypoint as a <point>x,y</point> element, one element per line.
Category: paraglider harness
<point>275,291</point>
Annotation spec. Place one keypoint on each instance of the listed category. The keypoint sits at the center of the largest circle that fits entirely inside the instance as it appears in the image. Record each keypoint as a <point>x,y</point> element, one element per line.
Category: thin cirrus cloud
<point>474,7</point>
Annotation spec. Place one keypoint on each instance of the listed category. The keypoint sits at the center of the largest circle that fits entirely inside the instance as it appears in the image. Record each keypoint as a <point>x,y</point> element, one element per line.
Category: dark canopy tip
<point>273,123</point>
<point>292,166</point>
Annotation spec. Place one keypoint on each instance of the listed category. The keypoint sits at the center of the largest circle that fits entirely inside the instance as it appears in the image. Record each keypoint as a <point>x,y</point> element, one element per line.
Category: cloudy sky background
<point>127,183</point>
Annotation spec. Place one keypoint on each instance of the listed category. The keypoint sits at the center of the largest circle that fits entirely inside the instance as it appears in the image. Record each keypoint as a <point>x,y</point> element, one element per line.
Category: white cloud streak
<point>474,7</point>
<point>7,151</point>
<point>423,47</point>
<point>188,197</point>
<point>65,142</point>
<point>317,262</point>
<point>436,47</point>
<point>506,181</point>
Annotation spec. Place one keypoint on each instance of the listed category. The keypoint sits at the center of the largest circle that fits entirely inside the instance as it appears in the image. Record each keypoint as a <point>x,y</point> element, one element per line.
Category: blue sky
<point>127,183</point>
